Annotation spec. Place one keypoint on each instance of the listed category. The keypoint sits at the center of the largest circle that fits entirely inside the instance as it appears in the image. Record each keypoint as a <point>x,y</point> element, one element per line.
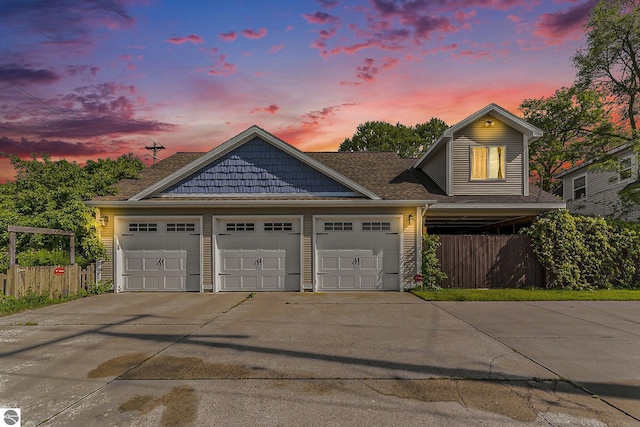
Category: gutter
<point>161,204</point>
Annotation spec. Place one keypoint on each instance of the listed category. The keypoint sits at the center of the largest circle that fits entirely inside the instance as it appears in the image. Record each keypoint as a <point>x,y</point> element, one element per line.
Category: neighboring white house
<point>592,191</point>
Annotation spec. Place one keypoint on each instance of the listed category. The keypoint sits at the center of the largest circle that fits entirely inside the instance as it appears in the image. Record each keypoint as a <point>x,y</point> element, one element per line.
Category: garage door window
<point>376,226</point>
<point>181,227</point>
<point>143,227</point>
<point>278,226</point>
<point>241,226</point>
<point>338,226</point>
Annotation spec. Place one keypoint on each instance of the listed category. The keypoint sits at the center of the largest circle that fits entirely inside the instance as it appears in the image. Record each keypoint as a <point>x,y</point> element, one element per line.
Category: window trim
<point>628,170</point>
<point>488,165</point>
<point>584,187</point>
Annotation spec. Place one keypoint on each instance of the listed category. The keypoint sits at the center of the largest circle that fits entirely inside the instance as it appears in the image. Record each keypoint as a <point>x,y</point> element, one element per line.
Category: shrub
<point>431,273</point>
<point>583,252</point>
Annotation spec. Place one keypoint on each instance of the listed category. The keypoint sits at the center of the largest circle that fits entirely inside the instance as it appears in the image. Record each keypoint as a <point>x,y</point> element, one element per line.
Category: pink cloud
<point>222,67</point>
<point>125,57</point>
<point>276,48</point>
<point>568,24</point>
<point>514,18</point>
<point>318,17</point>
<point>462,17</point>
<point>228,37</point>
<point>252,34</point>
<point>192,38</point>
<point>367,71</point>
<point>271,109</point>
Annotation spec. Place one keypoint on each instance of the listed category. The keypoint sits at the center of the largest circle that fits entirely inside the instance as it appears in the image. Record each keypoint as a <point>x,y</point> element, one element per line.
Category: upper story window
<point>625,168</point>
<point>488,162</point>
<point>580,187</point>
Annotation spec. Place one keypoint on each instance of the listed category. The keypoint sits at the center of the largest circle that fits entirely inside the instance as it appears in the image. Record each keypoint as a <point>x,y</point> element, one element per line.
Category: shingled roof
<point>383,173</point>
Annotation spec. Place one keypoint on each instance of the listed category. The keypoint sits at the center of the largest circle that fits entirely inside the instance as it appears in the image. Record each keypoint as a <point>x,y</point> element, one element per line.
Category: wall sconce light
<point>104,220</point>
<point>488,123</point>
<point>410,219</point>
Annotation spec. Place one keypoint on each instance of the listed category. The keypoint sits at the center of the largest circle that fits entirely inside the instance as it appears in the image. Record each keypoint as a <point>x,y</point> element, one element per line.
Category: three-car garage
<point>259,253</point>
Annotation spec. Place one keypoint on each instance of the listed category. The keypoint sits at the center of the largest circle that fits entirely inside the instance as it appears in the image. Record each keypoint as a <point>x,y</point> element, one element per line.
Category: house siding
<point>257,167</point>
<point>477,134</point>
<point>436,169</point>
<point>602,189</point>
<point>408,257</point>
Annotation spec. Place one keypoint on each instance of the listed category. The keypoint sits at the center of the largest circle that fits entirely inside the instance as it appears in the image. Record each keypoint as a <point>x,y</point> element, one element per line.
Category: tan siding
<point>207,257</point>
<point>409,256</point>
<point>436,168</point>
<point>477,134</point>
<point>106,235</point>
<point>307,250</point>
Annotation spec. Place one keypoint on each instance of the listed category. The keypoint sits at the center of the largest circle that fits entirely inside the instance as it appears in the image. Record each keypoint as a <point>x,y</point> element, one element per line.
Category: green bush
<point>582,252</point>
<point>47,257</point>
<point>431,273</point>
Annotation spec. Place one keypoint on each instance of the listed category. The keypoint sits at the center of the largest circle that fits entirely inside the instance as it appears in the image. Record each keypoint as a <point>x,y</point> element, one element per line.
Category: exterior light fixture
<point>488,123</point>
<point>410,219</point>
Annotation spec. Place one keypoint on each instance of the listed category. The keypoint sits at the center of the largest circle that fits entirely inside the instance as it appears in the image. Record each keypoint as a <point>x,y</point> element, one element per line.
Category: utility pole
<point>155,148</point>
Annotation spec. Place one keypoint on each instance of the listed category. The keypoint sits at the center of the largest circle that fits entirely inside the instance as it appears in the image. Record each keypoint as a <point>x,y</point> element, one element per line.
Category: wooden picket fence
<point>21,280</point>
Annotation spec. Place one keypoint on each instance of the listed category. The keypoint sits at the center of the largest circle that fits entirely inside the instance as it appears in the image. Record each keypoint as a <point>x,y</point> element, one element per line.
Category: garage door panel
<point>133,264</point>
<point>364,257</point>
<point>159,255</point>
<point>151,283</point>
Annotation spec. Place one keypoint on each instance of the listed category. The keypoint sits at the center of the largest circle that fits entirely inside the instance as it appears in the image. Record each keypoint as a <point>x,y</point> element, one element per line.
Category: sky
<point>89,79</point>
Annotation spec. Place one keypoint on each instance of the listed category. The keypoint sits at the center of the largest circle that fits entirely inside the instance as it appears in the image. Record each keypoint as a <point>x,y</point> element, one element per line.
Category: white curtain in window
<point>479,157</point>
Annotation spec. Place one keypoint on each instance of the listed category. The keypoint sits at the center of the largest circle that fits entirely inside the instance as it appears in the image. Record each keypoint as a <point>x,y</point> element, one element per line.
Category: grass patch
<point>30,301</point>
<point>528,295</point>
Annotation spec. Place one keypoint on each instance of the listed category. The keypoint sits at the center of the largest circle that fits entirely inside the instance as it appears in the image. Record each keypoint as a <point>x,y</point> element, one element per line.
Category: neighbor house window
<point>580,188</point>
<point>488,162</point>
<point>625,168</point>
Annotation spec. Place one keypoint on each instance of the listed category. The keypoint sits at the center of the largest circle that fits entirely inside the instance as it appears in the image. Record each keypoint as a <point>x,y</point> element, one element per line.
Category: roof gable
<point>257,167</point>
<point>254,163</point>
<point>492,110</point>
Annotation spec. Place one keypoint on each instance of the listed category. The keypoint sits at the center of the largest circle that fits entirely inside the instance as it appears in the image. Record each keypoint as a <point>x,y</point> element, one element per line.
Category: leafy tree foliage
<point>405,141</point>
<point>51,194</point>
<point>576,127</point>
<point>610,62</point>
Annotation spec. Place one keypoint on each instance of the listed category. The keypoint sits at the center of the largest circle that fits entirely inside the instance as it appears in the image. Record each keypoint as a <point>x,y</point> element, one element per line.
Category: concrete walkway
<point>320,359</point>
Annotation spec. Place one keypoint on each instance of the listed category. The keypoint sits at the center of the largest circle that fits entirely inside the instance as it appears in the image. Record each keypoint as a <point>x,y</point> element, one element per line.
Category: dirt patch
<point>324,386</point>
<point>487,396</point>
<point>117,365</point>
<point>190,368</point>
<point>181,406</point>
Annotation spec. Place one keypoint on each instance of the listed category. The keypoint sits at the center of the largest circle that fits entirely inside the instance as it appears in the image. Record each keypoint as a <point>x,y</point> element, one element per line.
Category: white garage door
<point>357,254</point>
<point>159,255</point>
<point>258,255</point>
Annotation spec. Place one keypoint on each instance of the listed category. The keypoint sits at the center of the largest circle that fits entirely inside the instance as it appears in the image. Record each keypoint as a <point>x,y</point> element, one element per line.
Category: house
<point>256,214</point>
<point>592,191</point>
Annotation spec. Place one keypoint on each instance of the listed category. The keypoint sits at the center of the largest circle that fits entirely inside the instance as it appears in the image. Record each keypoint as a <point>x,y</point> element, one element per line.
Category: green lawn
<point>528,295</point>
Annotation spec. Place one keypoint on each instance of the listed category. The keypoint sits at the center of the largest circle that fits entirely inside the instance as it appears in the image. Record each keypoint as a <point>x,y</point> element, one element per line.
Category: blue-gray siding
<point>257,167</point>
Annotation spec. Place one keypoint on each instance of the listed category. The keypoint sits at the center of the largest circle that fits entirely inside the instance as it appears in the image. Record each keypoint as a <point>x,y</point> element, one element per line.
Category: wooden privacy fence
<point>21,280</point>
<point>489,261</point>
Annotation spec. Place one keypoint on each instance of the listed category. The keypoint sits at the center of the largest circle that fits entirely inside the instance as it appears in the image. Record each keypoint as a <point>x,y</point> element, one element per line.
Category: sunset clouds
<point>86,78</point>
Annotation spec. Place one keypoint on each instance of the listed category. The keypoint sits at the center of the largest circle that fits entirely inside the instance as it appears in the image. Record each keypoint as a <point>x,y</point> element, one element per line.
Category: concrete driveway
<point>320,359</point>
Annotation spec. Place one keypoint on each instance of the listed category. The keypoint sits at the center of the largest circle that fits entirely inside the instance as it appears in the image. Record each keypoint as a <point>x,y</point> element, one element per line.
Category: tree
<point>576,127</point>
<point>50,194</point>
<point>405,141</point>
<point>610,62</point>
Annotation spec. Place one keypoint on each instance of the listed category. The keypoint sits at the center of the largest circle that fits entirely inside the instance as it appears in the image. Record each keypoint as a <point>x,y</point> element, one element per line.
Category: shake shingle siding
<point>477,134</point>
<point>256,167</point>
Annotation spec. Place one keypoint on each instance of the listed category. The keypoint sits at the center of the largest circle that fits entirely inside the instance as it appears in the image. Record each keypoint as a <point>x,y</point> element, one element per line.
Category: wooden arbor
<point>16,229</point>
